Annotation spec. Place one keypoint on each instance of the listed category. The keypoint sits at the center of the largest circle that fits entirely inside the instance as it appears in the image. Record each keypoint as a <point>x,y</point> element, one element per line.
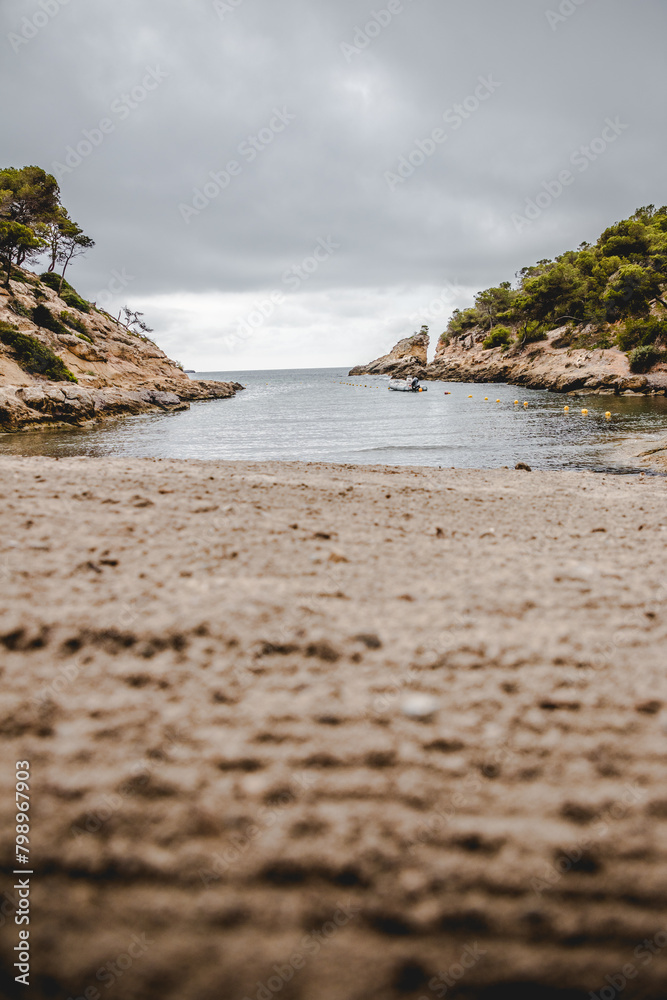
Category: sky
<point>301,184</point>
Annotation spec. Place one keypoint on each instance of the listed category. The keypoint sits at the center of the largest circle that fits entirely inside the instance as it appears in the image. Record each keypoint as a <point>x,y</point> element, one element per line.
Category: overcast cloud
<point>338,220</point>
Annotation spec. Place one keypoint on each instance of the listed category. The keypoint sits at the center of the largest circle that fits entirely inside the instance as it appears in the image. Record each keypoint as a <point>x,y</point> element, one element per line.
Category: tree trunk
<point>7,262</point>
<point>62,276</point>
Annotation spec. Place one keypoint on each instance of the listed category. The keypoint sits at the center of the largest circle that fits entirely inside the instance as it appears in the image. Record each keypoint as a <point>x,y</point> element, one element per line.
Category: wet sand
<point>335,732</point>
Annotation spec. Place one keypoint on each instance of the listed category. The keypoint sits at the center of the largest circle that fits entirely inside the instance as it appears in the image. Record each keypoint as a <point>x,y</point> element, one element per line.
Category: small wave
<point>414,447</point>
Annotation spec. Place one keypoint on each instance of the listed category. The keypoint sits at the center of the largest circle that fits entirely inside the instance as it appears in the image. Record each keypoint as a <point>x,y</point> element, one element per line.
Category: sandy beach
<point>335,732</point>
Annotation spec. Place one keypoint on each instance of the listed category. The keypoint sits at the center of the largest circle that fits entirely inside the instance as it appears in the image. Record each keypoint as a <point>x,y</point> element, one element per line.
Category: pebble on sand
<point>420,706</point>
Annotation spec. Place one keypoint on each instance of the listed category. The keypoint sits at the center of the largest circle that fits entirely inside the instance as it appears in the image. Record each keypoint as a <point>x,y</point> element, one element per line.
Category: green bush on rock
<point>642,359</point>
<point>74,323</point>
<point>34,357</point>
<point>43,317</point>
<point>640,332</point>
<point>499,337</point>
<point>68,294</point>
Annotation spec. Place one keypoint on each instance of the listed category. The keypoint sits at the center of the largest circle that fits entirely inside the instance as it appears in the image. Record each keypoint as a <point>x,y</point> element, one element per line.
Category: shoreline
<point>648,452</point>
<point>60,368</point>
<point>49,406</point>
<point>253,693</point>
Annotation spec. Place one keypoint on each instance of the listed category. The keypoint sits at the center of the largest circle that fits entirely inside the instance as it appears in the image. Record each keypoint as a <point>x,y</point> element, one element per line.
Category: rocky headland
<point>407,358</point>
<point>551,363</point>
<point>548,364</point>
<point>64,361</point>
<point>592,319</point>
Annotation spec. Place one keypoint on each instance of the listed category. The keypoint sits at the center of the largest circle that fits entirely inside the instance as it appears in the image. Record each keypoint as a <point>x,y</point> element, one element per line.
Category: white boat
<point>398,385</point>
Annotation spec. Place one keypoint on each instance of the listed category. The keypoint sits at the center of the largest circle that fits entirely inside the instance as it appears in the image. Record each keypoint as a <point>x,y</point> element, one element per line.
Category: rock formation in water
<point>62,360</point>
<point>408,357</point>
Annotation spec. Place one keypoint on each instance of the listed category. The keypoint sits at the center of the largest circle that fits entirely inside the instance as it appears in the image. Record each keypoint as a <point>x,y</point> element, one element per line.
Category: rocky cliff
<point>408,357</point>
<point>70,363</point>
<point>547,364</point>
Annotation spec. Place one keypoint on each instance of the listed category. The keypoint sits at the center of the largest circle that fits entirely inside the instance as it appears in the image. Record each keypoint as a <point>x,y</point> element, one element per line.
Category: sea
<point>324,415</point>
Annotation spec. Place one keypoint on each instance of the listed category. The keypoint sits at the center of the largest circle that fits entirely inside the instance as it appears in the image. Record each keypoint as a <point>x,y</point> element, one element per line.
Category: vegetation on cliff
<point>33,356</point>
<point>34,222</point>
<point>611,294</point>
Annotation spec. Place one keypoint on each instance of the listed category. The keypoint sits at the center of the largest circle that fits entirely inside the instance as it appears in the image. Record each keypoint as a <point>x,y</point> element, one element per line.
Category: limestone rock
<point>119,372</point>
<point>547,364</point>
<point>407,357</point>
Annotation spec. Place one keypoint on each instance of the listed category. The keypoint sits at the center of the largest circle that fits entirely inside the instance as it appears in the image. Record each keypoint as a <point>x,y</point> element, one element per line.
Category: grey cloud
<point>356,114</point>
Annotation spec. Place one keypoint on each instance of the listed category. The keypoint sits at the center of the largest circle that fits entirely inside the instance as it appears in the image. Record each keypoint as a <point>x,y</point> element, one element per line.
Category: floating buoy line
<point>566,409</point>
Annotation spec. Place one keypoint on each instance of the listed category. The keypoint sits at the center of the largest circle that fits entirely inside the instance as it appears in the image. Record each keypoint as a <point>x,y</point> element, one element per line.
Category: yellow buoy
<point>486,399</point>
<point>497,401</point>
<point>469,397</point>
<point>567,409</point>
<point>585,412</point>
<point>608,414</point>
<point>516,402</point>
<point>525,404</point>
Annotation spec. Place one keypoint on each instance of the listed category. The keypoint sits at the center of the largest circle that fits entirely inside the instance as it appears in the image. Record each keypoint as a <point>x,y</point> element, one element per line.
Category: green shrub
<point>44,317</point>
<point>34,357</point>
<point>74,323</point>
<point>461,322</point>
<point>68,294</point>
<point>643,358</point>
<point>528,336</point>
<point>23,278</point>
<point>640,332</point>
<point>17,307</point>
<point>499,337</point>
<point>595,341</point>
<point>52,279</point>
<point>589,340</point>
<point>74,301</point>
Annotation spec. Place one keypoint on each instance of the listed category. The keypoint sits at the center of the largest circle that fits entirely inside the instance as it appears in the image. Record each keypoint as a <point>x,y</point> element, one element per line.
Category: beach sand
<point>329,732</point>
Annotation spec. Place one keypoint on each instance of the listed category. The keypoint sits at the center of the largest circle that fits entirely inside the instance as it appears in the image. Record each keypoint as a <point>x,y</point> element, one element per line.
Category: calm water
<point>323,415</point>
